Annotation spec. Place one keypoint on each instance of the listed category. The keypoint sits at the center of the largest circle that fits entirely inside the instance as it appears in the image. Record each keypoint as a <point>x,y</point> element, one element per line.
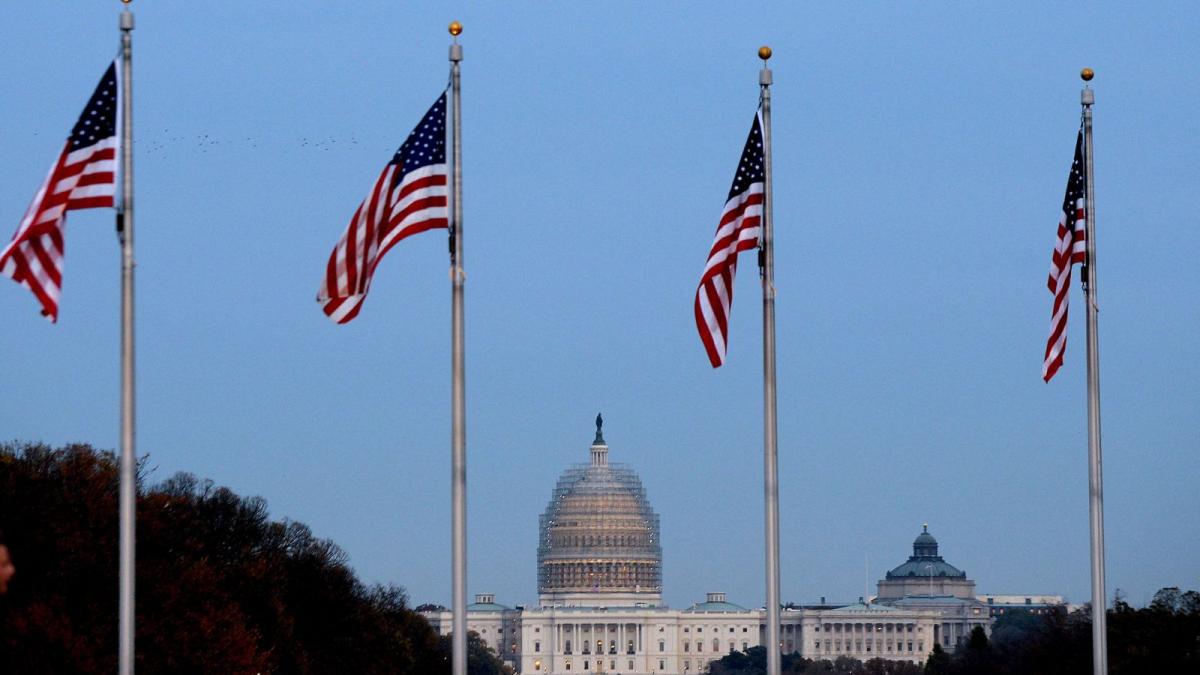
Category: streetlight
<point>930,566</point>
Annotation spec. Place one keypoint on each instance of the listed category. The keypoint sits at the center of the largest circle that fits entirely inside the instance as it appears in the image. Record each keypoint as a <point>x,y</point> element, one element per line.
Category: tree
<point>845,665</point>
<point>880,666</point>
<point>753,661</point>
<point>1166,600</point>
<point>221,587</point>
<point>938,662</point>
<point>1189,603</point>
<point>481,659</point>
<point>979,656</point>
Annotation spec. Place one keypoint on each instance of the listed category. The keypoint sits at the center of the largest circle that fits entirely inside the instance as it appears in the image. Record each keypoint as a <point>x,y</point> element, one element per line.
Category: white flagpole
<point>770,427</point>
<point>1095,463</point>
<point>458,433</point>
<point>128,489</point>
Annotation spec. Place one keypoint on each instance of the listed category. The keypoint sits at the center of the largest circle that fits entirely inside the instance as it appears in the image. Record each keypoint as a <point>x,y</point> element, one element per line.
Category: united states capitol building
<point>600,606</point>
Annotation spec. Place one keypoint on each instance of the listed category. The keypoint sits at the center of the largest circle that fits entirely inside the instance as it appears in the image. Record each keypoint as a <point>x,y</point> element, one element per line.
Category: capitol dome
<point>598,540</point>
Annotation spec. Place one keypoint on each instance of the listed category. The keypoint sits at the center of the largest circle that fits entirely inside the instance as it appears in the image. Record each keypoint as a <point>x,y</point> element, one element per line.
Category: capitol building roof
<point>598,539</point>
<point>486,602</point>
<point>715,602</point>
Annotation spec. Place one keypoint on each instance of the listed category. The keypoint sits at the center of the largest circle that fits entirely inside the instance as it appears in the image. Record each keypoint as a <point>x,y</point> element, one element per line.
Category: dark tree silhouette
<point>481,659</point>
<point>938,662</point>
<point>753,661</point>
<point>221,588</point>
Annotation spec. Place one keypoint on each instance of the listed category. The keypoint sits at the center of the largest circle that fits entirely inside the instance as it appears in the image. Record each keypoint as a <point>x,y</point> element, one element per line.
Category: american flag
<point>737,231</point>
<point>1070,248</point>
<point>410,196</point>
<point>82,177</point>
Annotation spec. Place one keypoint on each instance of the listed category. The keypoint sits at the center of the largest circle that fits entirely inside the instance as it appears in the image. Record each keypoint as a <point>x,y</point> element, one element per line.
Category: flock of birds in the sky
<point>154,145</point>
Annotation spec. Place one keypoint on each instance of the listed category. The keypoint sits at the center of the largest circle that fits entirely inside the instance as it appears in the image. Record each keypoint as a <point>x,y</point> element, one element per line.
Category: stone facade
<point>571,640</point>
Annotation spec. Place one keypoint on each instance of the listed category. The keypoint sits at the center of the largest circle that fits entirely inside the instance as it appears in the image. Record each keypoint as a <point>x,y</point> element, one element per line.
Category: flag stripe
<point>84,176</point>
<point>738,230</point>
<point>409,196</point>
<point>1070,247</point>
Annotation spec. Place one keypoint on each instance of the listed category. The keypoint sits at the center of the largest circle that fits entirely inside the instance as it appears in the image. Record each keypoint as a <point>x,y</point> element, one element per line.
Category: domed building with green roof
<point>925,573</point>
<point>927,582</point>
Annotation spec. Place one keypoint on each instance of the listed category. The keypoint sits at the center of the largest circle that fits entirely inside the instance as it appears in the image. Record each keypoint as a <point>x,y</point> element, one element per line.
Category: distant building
<point>600,597</point>
<point>927,582</point>
<point>999,605</point>
<point>925,573</point>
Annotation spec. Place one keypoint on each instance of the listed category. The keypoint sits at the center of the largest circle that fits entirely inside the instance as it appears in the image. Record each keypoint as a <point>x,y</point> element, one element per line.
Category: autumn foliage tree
<point>221,588</point>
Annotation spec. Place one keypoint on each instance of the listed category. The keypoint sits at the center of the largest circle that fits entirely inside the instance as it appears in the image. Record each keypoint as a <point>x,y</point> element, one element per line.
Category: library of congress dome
<point>598,540</point>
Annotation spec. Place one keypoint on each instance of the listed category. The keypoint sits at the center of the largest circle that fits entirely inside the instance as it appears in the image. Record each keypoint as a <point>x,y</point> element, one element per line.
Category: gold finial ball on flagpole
<point>127,1</point>
<point>1087,74</point>
<point>455,28</point>
<point>764,52</point>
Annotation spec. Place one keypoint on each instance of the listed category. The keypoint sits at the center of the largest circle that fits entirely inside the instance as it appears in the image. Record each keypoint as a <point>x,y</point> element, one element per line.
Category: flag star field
<point>99,118</point>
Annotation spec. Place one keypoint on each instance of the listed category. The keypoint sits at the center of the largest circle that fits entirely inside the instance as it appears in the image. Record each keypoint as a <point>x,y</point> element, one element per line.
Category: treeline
<point>753,661</point>
<point>221,588</point>
<point>1163,637</point>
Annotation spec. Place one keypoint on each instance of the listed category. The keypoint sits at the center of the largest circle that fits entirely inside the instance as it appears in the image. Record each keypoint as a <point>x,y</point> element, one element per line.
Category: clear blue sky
<point>921,153</point>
